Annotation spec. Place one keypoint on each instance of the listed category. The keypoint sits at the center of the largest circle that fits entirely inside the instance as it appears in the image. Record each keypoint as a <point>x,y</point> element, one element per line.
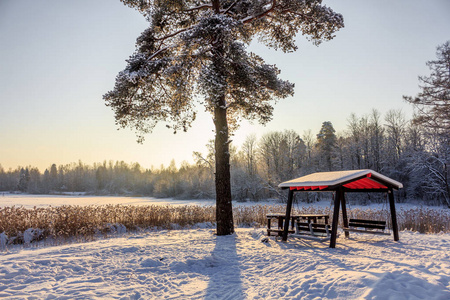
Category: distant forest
<point>389,144</point>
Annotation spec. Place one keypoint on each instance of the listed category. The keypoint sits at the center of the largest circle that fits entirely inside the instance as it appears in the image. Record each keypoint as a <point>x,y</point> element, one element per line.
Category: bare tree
<point>355,141</point>
<point>395,131</point>
<point>249,149</point>
<point>376,139</point>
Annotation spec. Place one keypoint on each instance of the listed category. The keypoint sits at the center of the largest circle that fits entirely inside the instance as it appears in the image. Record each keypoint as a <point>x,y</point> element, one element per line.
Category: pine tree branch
<point>172,34</point>
<point>250,19</point>
<point>231,6</point>
<point>199,7</point>
<point>159,51</point>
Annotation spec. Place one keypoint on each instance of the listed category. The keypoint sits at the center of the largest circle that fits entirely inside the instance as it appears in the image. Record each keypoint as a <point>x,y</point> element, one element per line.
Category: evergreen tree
<point>3,177</point>
<point>326,144</point>
<point>46,182</point>
<point>433,102</point>
<point>53,177</point>
<point>197,47</point>
<point>24,180</point>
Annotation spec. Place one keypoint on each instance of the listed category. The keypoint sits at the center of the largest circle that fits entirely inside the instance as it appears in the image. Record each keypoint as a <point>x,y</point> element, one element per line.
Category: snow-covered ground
<point>196,264</point>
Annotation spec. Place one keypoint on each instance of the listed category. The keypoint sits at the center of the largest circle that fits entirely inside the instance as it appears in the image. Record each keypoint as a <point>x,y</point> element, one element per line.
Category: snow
<point>29,235</point>
<point>196,264</point>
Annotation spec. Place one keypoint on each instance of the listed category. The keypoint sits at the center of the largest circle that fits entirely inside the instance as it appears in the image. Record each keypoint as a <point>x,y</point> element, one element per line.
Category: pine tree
<point>326,143</point>
<point>433,102</point>
<point>53,177</point>
<point>24,180</point>
<point>195,47</point>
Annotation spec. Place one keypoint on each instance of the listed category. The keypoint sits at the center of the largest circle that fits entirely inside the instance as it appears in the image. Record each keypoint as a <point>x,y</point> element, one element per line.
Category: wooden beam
<point>334,226</point>
<point>347,190</point>
<point>288,215</point>
<point>344,214</point>
<point>366,231</point>
<point>393,215</point>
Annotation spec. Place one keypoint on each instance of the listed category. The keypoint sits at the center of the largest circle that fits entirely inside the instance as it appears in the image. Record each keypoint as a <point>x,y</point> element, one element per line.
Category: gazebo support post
<point>393,214</point>
<point>344,214</point>
<point>288,215</point>
<point>334,225</point>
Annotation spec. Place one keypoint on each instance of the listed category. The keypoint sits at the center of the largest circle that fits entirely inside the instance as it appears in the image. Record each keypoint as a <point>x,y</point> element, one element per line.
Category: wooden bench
<point>278,231</point>
<point>314,218</point>
<point>366,226</point>
<point>315,231</point>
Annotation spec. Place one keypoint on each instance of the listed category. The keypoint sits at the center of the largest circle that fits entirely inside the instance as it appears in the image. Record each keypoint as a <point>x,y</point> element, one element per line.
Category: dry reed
<point>83,222</point>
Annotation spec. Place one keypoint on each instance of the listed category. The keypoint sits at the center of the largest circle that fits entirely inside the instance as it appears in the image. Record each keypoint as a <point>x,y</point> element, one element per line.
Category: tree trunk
<point>224,209</point>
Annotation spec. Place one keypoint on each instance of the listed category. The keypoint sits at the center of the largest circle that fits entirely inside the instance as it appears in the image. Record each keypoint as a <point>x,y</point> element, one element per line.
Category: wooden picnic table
<point>279,217</point>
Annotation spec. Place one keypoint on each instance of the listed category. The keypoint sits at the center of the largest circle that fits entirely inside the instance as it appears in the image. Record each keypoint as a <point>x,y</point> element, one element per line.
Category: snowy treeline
<point>388,144</point>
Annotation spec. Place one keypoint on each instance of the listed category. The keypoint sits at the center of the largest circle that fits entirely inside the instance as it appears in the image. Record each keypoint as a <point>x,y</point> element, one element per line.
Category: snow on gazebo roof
<point>354,179</point>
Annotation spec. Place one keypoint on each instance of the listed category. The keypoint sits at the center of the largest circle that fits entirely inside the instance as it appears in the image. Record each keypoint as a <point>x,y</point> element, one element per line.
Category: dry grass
<point>83,222</point>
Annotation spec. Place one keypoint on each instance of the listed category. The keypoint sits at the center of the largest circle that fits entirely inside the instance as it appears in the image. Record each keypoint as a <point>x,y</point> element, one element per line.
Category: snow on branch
<point>159,51</point>
<point>172,34</point>
<point>260,15</point>
<point>199,7</point>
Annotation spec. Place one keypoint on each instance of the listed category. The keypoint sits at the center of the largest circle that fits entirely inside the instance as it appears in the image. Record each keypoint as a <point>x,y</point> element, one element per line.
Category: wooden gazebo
<point>341,182</point>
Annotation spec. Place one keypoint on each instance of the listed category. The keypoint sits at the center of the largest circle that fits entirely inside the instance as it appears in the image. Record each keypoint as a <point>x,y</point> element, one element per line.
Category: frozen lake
<point>29,201</point>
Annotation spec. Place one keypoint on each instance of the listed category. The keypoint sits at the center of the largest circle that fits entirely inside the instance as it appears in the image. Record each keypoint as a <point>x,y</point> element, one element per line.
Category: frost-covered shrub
<point>115,228</point>
<point>32,234</point>
<point>3,240</point>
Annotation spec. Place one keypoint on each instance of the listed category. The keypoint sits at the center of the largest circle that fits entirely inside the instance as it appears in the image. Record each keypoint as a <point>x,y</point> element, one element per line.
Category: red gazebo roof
<point>357,180</point>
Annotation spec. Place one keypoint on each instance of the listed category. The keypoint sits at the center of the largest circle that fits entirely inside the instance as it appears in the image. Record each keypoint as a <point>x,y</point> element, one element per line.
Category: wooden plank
<point>279,231</point>
<point>316,230</point>
<point>313,228</point>
<point>315,225</point>
<point>368,226</point>
<point>368,221</point>
<point>314,233</point>
<point>366,231</point>
<point>311,237</point>
<point>365,190</point>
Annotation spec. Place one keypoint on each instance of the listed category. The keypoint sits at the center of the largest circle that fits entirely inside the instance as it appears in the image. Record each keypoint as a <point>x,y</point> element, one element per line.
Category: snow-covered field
<point>196,264</point>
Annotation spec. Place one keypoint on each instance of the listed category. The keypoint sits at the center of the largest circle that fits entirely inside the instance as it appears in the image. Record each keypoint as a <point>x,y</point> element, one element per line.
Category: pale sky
<point>58,57</point>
